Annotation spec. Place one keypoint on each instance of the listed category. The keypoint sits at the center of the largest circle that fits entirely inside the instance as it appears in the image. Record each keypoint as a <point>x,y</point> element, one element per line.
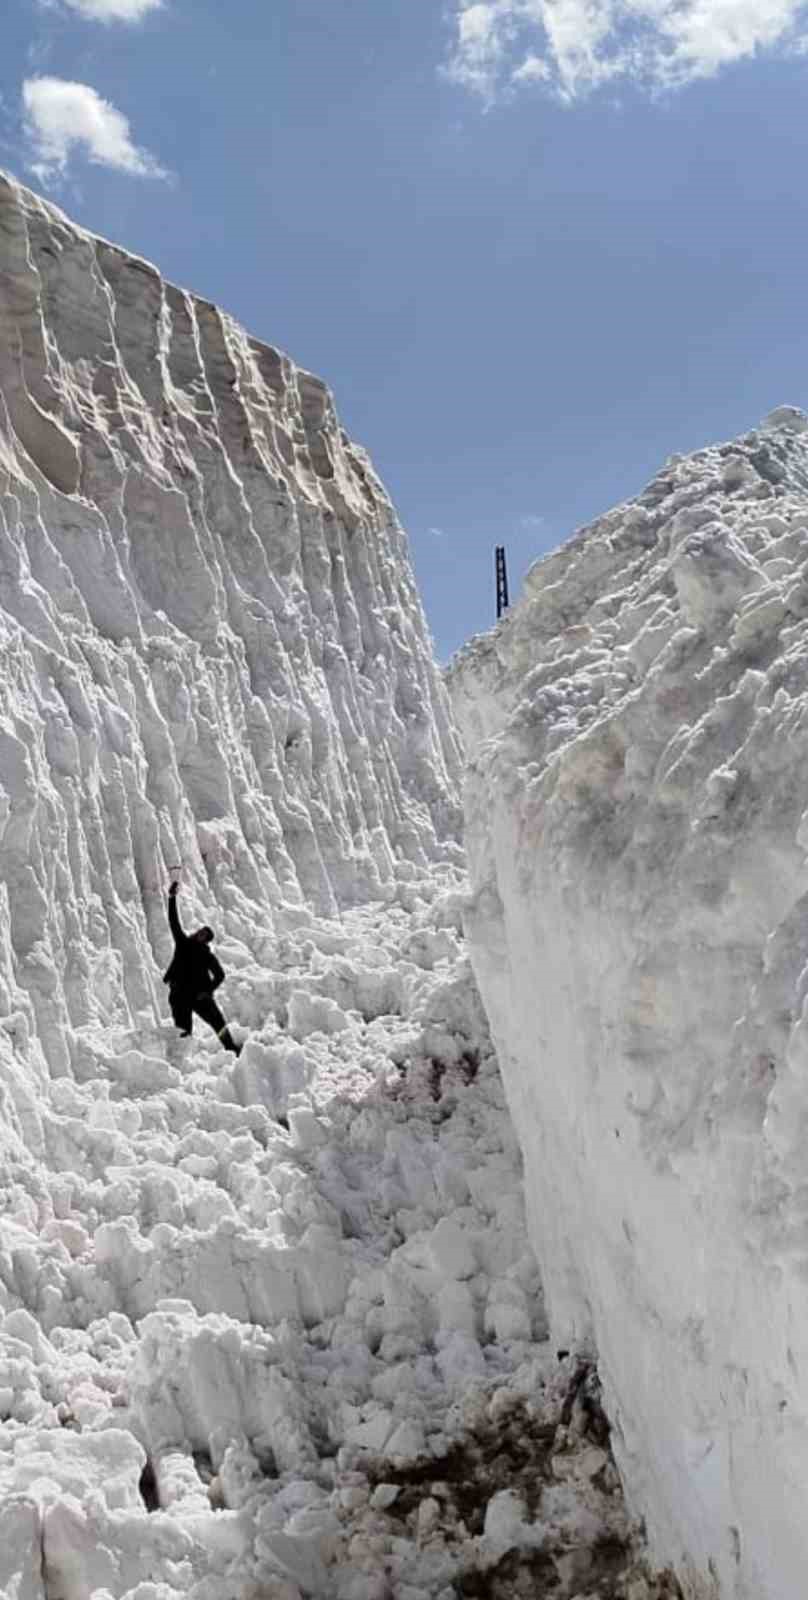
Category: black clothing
<point>193,967</point>
<point>185,1008</point>
<point>192,976</point>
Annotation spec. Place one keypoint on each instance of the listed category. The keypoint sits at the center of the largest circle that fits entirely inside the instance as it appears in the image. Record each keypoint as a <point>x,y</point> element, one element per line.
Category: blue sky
<point>534,246</point>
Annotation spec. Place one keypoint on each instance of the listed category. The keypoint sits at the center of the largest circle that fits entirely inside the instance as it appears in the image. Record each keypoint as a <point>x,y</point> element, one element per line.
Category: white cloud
<point>575,45</point>
<point>114,10</point>
<point>532,70</point>
<point>61,117</point>
<point>438,533</point>
<point>491,44</point>
<point>482,41</point>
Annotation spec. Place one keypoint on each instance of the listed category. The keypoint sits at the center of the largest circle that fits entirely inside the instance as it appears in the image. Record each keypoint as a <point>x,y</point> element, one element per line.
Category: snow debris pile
<point>270,1326</point>
<point>637,829</point>
<point>274,1328</point>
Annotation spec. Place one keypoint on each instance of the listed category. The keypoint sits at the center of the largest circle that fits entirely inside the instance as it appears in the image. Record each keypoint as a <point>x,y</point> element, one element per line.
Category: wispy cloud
<point>113,10</point>
<point>531,521</point>
<point>437,533</point>
<point>576,45</point>
<point>62,118</point>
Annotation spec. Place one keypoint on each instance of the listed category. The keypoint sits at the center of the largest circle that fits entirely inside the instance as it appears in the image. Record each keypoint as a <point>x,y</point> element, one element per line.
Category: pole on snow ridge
<point>502,581</point>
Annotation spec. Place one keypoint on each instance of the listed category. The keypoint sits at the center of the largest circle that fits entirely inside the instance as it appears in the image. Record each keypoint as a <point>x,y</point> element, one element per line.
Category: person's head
<point>203,935</point>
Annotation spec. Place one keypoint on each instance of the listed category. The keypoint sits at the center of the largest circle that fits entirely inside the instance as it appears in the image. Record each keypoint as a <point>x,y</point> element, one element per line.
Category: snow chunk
<point>449,1250</point>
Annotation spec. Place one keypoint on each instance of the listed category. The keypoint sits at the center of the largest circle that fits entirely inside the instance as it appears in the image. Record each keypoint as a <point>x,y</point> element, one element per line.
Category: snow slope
<point>269,1327</point>
<point>256,1359</point>
<point>637,731</point>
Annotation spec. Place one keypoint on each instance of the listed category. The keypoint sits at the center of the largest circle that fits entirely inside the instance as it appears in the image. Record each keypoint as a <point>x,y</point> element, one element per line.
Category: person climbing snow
<point>192,976</point>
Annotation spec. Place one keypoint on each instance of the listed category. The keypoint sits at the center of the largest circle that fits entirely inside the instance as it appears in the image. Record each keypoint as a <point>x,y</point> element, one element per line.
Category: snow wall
<point>212,650</point>
<point>253,1311</point>
<point>637,736</point>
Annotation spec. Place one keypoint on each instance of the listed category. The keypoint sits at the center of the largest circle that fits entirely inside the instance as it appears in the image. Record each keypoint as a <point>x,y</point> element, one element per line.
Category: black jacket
<point>193,967</point>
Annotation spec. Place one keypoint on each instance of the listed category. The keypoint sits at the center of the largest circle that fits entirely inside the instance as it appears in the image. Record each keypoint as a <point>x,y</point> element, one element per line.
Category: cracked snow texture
<point>637,734</point>
<point>211,646</point>
<point>270,1327</point>
<point>274,1329</point>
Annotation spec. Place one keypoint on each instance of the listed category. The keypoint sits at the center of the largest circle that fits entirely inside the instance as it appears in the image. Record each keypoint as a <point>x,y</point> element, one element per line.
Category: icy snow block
<point>293,1557</point>
<point>712,570</point>
<point>450,1251</point>
<point>77,1554</point>
<point>384,1496</point>
<point>310,1013</point>
<point>371,1434</point>
<point>107,1463</point>
<point>20,1552</point>
<point>459,1360</point>
<point>507,1315</point>
<point>268,1074</point>
<point>456,1309</point>
<point>407,1442</point>
<point>507,1527</point>
<point>21,1325</point>
<point>306,1129</point>
<point>504,1517</point>
<point>322,1273</point>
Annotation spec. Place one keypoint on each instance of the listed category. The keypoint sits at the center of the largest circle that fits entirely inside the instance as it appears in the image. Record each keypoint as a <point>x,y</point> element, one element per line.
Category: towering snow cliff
<point>637,732</point>
<point>213,651</point>
<point>269,1327</point>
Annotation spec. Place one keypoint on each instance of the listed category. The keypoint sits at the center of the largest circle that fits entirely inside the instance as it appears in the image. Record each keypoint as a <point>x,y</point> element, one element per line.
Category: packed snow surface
<point>637,732</point>
<point>270,1326</point>
<point>274,1327</point>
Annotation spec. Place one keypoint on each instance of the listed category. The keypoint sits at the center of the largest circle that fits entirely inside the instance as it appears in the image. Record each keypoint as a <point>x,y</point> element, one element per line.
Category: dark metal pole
<point>502,581</point>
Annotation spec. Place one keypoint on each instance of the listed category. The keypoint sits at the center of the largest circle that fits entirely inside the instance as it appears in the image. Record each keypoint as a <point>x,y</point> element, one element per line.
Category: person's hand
<point>173,888</point>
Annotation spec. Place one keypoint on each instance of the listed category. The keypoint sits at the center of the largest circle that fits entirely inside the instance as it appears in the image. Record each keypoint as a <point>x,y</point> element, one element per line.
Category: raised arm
<point>173,915</point>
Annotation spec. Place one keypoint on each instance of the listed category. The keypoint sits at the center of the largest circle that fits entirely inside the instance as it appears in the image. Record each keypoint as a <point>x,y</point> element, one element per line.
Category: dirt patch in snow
<point>532,1460</point>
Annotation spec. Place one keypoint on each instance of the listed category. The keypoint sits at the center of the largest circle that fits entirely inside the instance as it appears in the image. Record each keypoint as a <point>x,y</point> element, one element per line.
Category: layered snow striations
<point>214,649</point>
<point>271,1326</point>
<point>637,734</point>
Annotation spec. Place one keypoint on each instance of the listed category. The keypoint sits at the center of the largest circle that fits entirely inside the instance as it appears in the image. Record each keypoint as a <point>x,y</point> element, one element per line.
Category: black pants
<point>185,1006</point>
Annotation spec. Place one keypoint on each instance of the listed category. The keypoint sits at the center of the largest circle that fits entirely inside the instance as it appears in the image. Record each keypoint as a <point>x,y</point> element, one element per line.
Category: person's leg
<point>180,1006</point>
<point>205,1007</point>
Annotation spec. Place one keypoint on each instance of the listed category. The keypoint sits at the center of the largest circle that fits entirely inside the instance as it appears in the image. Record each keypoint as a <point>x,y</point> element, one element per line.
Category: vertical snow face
<point>270,1327</point>
<point>212,650</point>
<point>637,742</point>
